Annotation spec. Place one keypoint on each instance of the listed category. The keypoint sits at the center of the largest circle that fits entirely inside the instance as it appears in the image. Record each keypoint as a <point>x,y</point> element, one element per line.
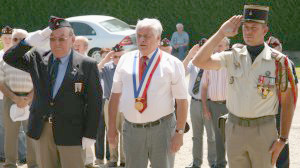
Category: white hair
<point>83,39</point>
<point>152,23</point>
<point>179,25</point>
<point>19,31</point>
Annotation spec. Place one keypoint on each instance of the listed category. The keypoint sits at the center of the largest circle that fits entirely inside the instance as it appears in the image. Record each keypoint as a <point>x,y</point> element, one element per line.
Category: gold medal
<point>271,93</point>
<point>265,93</point>
<point>139,106</point>
<point>259,89</point>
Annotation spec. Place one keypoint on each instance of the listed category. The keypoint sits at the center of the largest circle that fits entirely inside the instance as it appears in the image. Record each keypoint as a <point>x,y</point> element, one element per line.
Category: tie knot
<point>57,60</point>
<point>145,58</point>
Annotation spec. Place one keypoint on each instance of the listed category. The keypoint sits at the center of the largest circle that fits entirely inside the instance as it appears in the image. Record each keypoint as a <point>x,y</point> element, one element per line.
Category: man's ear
<point>266,29</point>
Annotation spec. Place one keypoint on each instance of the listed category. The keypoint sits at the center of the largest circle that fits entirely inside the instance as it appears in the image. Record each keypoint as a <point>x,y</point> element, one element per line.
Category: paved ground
<point>184,156</point>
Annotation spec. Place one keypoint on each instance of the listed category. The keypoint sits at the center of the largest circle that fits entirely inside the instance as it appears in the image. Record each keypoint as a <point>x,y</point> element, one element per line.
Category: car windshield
<point>115,25</point>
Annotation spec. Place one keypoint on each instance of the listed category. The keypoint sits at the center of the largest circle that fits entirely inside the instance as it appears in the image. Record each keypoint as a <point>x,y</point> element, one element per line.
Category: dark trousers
<point>99,146</point>
<point>283,160</point>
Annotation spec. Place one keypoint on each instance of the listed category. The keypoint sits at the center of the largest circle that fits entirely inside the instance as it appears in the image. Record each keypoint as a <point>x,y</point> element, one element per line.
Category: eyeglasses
<point>17,39</point>
<point>60,39</point>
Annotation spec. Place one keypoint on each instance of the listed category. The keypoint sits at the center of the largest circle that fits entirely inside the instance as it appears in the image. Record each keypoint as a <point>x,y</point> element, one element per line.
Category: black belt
<point>21,93</point>
<point>220,102</point>
<point>150,124</point>
<point>248,122</point>
<point>196,99</point>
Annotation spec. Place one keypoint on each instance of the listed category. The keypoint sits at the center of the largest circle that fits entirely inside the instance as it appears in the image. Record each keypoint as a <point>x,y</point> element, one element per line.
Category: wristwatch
<point>180,131</point>
<point>284,139</point>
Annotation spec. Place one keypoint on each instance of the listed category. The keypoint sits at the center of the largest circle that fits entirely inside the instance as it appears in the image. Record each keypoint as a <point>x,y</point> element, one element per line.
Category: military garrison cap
<point>6,30</point>
<point>165,42</point>
<point>256,13</point>
<point>56,23</point>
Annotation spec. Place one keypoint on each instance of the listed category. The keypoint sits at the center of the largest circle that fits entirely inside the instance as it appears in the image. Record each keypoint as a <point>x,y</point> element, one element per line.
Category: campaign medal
<point>140,87</point>
<point>260,84</point>
<point>138,104</point>
<point>259,89</point>
<point>265,93</point>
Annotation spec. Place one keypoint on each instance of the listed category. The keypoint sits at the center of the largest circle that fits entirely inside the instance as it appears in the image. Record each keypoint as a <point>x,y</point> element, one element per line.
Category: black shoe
<point>2,159</point>
<point>192,166</point>
<point>22,161</point>
<point>122,164</point>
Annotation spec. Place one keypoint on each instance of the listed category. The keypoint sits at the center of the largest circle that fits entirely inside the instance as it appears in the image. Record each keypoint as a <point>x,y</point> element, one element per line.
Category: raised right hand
<point>230,27</point>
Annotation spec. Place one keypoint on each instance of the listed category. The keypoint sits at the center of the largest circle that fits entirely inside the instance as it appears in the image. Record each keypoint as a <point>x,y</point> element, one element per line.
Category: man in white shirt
<point>150,130</point>
<point>6,42</point>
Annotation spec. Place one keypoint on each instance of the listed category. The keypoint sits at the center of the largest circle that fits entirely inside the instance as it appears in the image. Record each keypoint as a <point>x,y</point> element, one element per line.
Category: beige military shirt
<point>251,90</point>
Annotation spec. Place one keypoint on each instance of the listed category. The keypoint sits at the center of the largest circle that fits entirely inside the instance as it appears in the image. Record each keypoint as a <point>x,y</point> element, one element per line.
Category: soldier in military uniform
<point>259,78</point>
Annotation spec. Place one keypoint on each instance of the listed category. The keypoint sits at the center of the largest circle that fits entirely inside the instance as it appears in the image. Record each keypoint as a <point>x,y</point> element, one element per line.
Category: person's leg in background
<point>30,148</point>
<point>181,52</point>
<point>99,146</point>
<point>2,156</point>
<point>22,145</point>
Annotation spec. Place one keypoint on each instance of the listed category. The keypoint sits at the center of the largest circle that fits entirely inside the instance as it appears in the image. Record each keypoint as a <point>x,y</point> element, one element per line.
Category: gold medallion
<point>271,93</point>
<point>139,106</point>
<point>265,92</point>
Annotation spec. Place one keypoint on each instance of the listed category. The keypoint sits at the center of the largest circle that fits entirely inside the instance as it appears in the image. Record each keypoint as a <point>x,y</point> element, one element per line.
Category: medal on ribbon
<point>140,87</point>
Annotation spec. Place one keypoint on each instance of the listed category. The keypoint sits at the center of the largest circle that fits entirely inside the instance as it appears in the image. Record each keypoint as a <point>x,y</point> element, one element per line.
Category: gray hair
<point>152,23</point>
<point>179,25</point>
<point>19,31</point>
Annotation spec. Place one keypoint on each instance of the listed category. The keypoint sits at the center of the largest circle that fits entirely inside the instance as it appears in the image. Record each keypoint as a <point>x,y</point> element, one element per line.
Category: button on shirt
<point>62,68</point>
<point>243,99</point>
<point>216,81</point>
<point>106,77</point>
<point>167,84</point>
<point>192,70</point>
<point>16,80</point>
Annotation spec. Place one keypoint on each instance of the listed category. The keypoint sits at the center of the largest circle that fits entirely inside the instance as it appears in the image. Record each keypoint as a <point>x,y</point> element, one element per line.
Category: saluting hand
<point>230,27</point>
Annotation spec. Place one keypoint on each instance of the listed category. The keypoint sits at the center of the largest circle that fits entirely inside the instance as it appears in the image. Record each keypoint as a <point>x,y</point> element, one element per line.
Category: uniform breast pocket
<point>158,83</point>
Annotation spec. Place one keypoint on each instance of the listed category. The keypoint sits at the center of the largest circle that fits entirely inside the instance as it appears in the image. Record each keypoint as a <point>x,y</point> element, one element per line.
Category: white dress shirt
<point>167,84</point>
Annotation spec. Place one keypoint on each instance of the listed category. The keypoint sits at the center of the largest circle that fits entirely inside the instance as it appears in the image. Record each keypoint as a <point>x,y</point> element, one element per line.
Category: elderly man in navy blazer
<point>67,95</point>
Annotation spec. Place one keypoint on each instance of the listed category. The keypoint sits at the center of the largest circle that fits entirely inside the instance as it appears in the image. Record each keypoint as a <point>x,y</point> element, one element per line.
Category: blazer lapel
<point>46,62</point>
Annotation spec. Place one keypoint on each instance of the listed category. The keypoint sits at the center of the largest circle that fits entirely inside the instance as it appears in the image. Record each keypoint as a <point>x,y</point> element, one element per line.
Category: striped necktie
<point>197,82</point>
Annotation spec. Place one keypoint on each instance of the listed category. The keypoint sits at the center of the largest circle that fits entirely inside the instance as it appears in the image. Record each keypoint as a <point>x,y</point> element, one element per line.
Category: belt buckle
<point>245,123</point>
<point>50,120</point>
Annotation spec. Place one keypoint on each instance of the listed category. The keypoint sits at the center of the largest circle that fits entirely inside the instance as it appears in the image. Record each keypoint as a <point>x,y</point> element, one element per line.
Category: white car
<point>103,32</point>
